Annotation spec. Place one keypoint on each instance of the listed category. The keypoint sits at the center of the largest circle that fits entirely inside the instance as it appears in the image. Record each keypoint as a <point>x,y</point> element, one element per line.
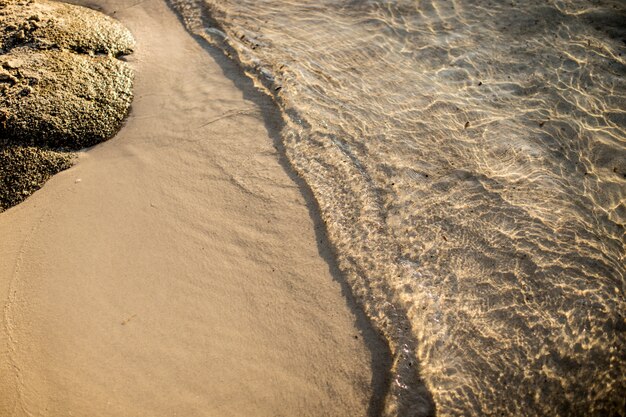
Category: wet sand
<point>178,268</point>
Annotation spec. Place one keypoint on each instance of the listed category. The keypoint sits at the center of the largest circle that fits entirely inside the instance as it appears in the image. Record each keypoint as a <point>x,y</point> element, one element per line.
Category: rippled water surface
<point>469,161</point>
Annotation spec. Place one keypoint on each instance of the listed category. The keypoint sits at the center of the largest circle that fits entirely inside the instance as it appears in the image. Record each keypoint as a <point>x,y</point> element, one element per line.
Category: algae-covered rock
<point>54,25</point>
<point>23,169</point>
<point>62,87</point>
<point>63,99</point>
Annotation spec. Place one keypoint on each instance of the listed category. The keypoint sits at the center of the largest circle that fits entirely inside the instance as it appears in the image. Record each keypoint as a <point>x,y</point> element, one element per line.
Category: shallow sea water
<point>469,162</point>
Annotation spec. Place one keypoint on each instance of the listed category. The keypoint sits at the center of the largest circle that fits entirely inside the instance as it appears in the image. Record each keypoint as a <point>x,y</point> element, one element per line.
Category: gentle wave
<point>469,161</point>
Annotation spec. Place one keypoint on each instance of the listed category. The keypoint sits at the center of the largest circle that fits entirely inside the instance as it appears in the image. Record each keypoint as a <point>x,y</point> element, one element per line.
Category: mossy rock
<point>62,88</point>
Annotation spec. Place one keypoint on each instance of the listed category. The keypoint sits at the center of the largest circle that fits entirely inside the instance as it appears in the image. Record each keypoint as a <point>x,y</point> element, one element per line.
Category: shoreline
<point>172,261</point>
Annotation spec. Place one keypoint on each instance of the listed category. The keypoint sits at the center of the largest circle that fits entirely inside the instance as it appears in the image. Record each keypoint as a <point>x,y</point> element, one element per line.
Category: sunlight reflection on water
<point>469,161</point>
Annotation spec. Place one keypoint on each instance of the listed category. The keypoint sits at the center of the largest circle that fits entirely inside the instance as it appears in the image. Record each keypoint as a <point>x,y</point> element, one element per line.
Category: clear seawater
<point>469,161</point>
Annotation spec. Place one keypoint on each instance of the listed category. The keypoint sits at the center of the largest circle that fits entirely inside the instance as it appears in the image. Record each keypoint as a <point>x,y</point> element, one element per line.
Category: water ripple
<point>469,160</point>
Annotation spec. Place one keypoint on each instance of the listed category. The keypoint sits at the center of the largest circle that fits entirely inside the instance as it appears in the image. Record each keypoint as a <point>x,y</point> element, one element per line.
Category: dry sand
<point>178,269</point>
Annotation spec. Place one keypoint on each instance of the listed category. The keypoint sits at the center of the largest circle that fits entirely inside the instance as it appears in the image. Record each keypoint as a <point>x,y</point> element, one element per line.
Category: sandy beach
<point>180,268</point>
<point>296,208</point>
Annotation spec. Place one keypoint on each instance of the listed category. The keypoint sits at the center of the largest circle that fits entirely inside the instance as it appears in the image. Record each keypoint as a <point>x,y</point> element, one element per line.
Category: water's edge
<point>376,339</point>
<point>448,205</point>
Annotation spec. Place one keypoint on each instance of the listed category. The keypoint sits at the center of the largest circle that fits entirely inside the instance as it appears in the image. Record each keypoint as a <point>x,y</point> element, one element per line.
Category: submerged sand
<point>177,269</point>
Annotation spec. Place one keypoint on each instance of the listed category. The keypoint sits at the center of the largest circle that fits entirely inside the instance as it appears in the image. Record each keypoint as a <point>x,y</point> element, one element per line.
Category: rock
<point>7,78</point>
<point>77,101</point>
<point>24,169</point>
<point>62,88</point>
<point>12,64</point>
<point>64,26</point>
